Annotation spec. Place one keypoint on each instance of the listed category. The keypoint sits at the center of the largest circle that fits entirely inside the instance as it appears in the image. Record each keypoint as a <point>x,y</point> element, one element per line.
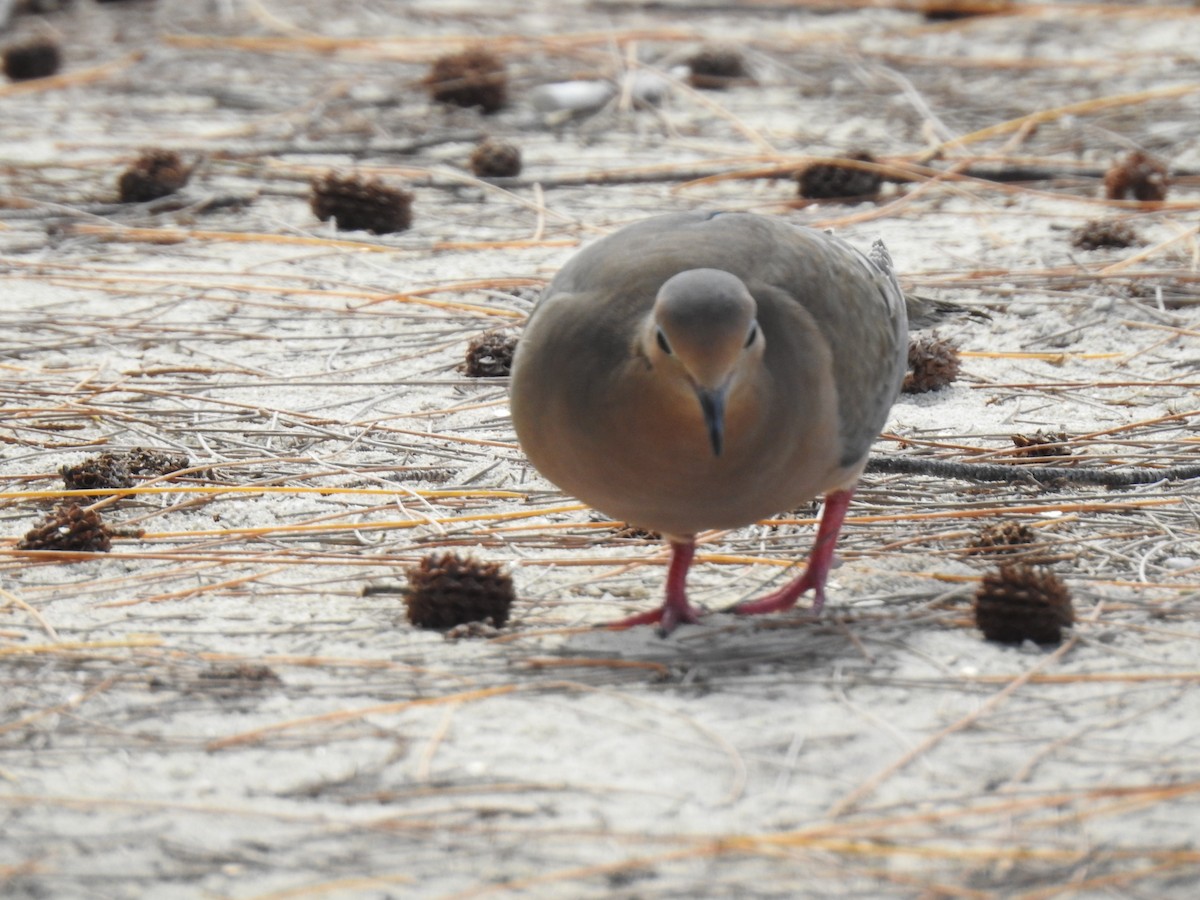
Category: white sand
<point>886,751</point>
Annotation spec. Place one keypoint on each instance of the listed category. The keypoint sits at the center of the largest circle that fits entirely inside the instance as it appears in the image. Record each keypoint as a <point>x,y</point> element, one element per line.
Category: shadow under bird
<point>707,370</point>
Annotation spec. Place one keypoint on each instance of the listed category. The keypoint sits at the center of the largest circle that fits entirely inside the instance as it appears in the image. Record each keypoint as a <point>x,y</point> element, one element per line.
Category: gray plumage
<point>831,317</point>
<point>698,370</point>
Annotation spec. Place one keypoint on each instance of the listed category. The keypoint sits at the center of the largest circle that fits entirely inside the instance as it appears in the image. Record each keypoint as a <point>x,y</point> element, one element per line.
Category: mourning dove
<point>707,370</point>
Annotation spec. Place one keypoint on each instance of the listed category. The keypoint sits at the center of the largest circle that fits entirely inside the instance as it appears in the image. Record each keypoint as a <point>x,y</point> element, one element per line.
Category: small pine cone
<point>490,356</point>
<point>832,181</point>
<point>154,174</point>
<point>1039,444</point>
<point>1018,603</point>
<point>70,527</point>
<point>496,159</point>
<point>1001,538</point>
<point>473,78</point>
<point>357,204</point>
<point>932,364</point>
<point>103,472</point>
<point>35,59</point>
<point>1101,233</point>
<point>1139,174</point>
<point>714,66</point>
<point>445,590</point>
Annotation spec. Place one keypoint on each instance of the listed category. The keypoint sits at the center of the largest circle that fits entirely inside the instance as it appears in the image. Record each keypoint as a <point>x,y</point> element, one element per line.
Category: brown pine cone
<point>1017,603</point>
<point>496,159</point>
<point>473,78</point>
<point>1101,233</point>
<point>831,181</point>
<point>70,527</point>
<point>490,355</point>
<point>1040,443</point>
<point>39,58</point>
<point>933,363</point>
<point>715,66</point>
<point>154,174</point>
<point>358,204</point>
<point>445,590</point>
<point>1139,174</point>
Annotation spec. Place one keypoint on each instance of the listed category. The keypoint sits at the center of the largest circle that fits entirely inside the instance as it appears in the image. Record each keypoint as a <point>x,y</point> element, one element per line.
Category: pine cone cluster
<point>933,363</point>
<point>834,181</point>
<point>154,174</point>
<point>70,527</point>
<point>445,590</point>
<point>472,78</point>
<point>1017,603</point>
<point>490,355</point>
<point>357,204</point>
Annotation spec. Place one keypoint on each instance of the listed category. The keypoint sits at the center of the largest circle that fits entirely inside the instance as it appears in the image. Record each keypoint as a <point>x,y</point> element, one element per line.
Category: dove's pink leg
<point>675,609</point>
<point>820,561</point>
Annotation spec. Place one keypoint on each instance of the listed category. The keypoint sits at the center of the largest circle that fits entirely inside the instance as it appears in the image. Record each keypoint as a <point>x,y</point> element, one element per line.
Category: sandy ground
<point>215,708</point>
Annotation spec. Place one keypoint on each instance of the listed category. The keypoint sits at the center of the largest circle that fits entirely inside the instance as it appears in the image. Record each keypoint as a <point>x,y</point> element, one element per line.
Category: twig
<point>352,715</point>
<point>907,465</point>
<point>34,614</point>
<point>66,706</point>
<point>356,149</point>
<point>425,762</point>
<point>1084,107</point>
